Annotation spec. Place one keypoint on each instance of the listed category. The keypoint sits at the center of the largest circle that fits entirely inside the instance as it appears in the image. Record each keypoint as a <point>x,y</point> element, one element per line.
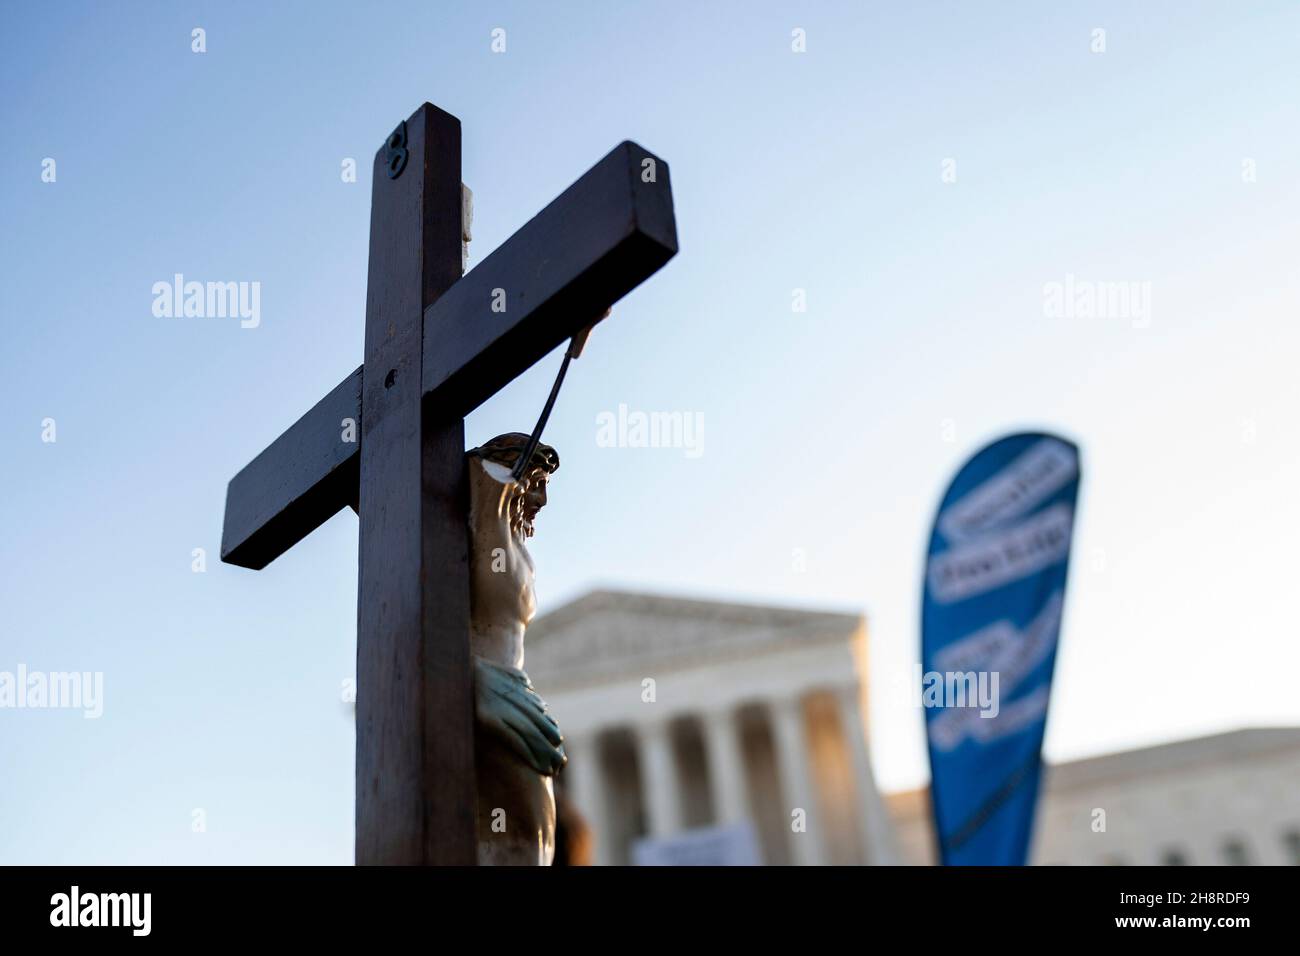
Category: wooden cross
<point>437,346</point>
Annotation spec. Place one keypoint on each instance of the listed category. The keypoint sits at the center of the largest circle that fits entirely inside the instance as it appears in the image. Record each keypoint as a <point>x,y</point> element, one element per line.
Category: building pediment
<point>609,634</point>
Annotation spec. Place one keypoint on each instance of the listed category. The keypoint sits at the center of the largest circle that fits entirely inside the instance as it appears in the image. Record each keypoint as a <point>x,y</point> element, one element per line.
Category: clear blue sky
<point>826,430</point>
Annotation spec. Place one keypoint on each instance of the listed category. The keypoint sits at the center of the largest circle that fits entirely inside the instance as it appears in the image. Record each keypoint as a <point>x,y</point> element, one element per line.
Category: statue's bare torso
<point>503,573</point>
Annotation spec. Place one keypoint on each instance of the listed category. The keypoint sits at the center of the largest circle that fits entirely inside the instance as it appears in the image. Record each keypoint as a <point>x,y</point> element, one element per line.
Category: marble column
<point>798,787</point>
<point>727,782</point>
<point>659,787</point>
<point>585,779</point>
<point>874,823</point>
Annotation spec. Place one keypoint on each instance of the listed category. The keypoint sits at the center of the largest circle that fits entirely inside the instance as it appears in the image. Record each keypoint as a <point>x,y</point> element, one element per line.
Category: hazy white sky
<point>1169,159</point>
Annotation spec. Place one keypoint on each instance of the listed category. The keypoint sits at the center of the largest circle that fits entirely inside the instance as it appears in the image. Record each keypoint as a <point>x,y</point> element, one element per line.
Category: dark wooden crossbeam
<point>599,239</point>
<point>435,349</point>
<point>298,483</point>
<point>596,242</point>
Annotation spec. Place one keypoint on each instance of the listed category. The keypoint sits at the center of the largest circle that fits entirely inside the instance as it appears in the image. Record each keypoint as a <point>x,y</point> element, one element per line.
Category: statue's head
<point>504,451</point>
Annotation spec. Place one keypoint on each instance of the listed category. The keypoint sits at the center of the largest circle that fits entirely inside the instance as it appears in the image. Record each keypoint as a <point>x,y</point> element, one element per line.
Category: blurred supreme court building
<point>697,716</point>
<point>713,732</point>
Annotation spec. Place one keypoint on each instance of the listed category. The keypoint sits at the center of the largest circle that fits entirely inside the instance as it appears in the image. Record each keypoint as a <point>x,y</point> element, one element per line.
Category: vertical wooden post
<point>415,747</point>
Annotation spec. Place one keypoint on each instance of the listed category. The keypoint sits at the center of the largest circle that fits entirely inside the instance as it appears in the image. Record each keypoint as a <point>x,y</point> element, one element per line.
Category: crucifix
<point>437,345</point>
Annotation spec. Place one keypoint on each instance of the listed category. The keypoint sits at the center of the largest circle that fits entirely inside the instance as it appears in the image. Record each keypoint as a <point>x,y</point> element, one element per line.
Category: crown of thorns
<point>506,449</point>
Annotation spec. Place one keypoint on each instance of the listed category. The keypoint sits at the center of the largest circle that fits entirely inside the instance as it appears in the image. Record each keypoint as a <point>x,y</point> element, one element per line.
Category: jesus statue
<point>517,745</point>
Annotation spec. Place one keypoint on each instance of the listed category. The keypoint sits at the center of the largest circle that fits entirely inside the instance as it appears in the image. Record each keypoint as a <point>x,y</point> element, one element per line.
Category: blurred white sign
<point>733,845</point>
